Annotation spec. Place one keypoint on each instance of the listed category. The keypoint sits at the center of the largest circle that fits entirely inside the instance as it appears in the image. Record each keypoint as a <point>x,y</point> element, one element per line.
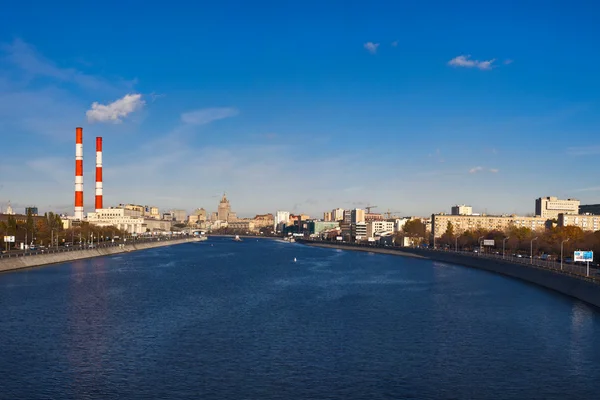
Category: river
<point>227,320</point>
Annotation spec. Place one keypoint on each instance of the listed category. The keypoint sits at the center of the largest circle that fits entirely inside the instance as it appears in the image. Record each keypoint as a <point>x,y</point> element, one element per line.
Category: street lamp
<point>479,243</point>
<point>531,250</point>
<point>503,245</point>
<point>561,252</point>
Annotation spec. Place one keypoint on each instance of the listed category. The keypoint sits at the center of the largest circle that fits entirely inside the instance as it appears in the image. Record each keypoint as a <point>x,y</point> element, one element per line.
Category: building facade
<point>179,215</point>
<point>327,216</point>
<point>263,220</point>
<point>337,214</point>
<point>224,209</point>
<point>550,207</point>
<point>376,228</point>
<point>282,218</point>
<point>242,225</point>
<point>358,216</point>
<point>128,220</point>
<point>461,210</point>
<point>464,223</point>
<point>587,222</point>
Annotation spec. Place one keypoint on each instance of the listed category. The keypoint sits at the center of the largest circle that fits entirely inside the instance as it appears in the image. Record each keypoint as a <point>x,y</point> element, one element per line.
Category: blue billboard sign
<point>583,256</point>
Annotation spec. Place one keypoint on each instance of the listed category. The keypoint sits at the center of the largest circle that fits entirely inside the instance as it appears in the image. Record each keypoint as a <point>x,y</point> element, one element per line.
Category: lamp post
<point>531,250</point>
<point>479,243</point>
<point>561,252</point>
<point>504,245</point>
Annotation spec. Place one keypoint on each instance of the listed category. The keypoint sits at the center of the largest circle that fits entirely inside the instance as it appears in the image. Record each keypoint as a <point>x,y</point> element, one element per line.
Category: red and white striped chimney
<point>79,174</point>
<point>99,173</point>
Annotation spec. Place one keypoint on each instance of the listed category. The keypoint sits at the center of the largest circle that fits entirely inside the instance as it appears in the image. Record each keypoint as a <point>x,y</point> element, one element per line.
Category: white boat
<point>237,238</point>
<point>199,239</point>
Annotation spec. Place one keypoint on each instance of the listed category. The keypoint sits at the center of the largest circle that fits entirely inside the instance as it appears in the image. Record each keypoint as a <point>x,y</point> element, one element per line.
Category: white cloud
<point>115,111</point>
<point>207,115</point>
<point>583,151</point>
<point>29,61</point>
<point>494,170</point>
<point>371,47</point>
<point>588,189</point>
<point>466,62</point>
<point>508,61</point>
<point>474,170</point>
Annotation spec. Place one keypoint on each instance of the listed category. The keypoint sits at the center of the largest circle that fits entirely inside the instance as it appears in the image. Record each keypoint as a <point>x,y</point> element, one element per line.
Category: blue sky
<point>303,106</point>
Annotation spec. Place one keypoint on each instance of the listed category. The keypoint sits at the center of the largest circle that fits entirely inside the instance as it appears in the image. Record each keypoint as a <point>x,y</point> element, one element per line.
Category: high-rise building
<point>462,210</point>
<point>337,214</point>
<point>9,209</point>
<point>224,209</point>
<point>281,220</point>
<point>327,216</point>
<point>358,216</point>
<point>550,207</point>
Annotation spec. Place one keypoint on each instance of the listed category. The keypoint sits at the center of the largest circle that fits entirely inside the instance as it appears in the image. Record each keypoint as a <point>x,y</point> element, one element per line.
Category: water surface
<point>226,320</point>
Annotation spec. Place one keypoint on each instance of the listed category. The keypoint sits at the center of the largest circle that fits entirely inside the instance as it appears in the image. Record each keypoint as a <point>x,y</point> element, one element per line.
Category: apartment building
<point>375,228</point>
<point>586,222</point>
<point>550,207</point>
<point>337,214</point>
<point>463,223</point>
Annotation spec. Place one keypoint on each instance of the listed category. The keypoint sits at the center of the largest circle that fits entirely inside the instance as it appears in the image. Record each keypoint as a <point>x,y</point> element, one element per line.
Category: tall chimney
<point>79,174</point>
<point>98,173</point>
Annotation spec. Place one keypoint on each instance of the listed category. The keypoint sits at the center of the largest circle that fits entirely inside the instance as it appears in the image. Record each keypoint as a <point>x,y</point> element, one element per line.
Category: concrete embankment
<point>14,263</point>
<point>578,287</point>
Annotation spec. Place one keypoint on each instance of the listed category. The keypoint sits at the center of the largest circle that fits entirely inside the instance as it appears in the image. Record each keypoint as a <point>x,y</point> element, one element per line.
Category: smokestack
<point>98,173</point>
<point>79,174</point>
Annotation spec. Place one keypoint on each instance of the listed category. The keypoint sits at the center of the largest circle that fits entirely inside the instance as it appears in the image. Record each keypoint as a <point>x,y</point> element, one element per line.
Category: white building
<point>550,207</point>
<point>179,215</point>
<point>462,210</point>
<point>376,228</point>
<point>281,217</point>
<point>127,220</point>
<point>358,231</point>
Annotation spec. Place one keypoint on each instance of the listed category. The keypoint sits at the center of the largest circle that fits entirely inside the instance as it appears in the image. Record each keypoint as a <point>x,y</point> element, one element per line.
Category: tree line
<point>42,230</point>
<point>516,239</point>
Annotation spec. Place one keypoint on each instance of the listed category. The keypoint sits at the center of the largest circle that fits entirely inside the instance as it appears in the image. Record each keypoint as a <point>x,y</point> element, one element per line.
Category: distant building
<point>327,216</point>
<point>593,209</point>
<point>358,231</point>
<point>168,216</point>
<point>462,210</point>
<point>128,220</point>
<point>358,216</point>
<point>179,215</point>
<point>376,228</point>
<point>550,207</point>
<point>224,209</point>
<point>242,225</point>
<point>316,227</point>
<point>586,222</point>
<point>263,220</point>
<point>463,223</point>
<point>201,214</point>
<point>31,210</point>
<point>282,218</point>
<point>151,212</point>
<point>373,217</point>
<point>337,214</point>
<point>9,210</point>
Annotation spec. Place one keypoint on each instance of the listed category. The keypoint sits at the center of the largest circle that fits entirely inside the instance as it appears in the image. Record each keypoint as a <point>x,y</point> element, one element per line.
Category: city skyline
<point>404,107</point>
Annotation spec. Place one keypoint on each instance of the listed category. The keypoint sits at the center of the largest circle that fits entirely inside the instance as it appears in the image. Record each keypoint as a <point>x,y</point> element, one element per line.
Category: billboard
<point>585,256</point>
<point>488,242</point>
<point>9,239</point>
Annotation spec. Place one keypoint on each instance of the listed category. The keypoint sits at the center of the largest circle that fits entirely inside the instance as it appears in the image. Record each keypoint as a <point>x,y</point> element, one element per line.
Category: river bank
<point>577,287</point>
<point>15,263</point>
